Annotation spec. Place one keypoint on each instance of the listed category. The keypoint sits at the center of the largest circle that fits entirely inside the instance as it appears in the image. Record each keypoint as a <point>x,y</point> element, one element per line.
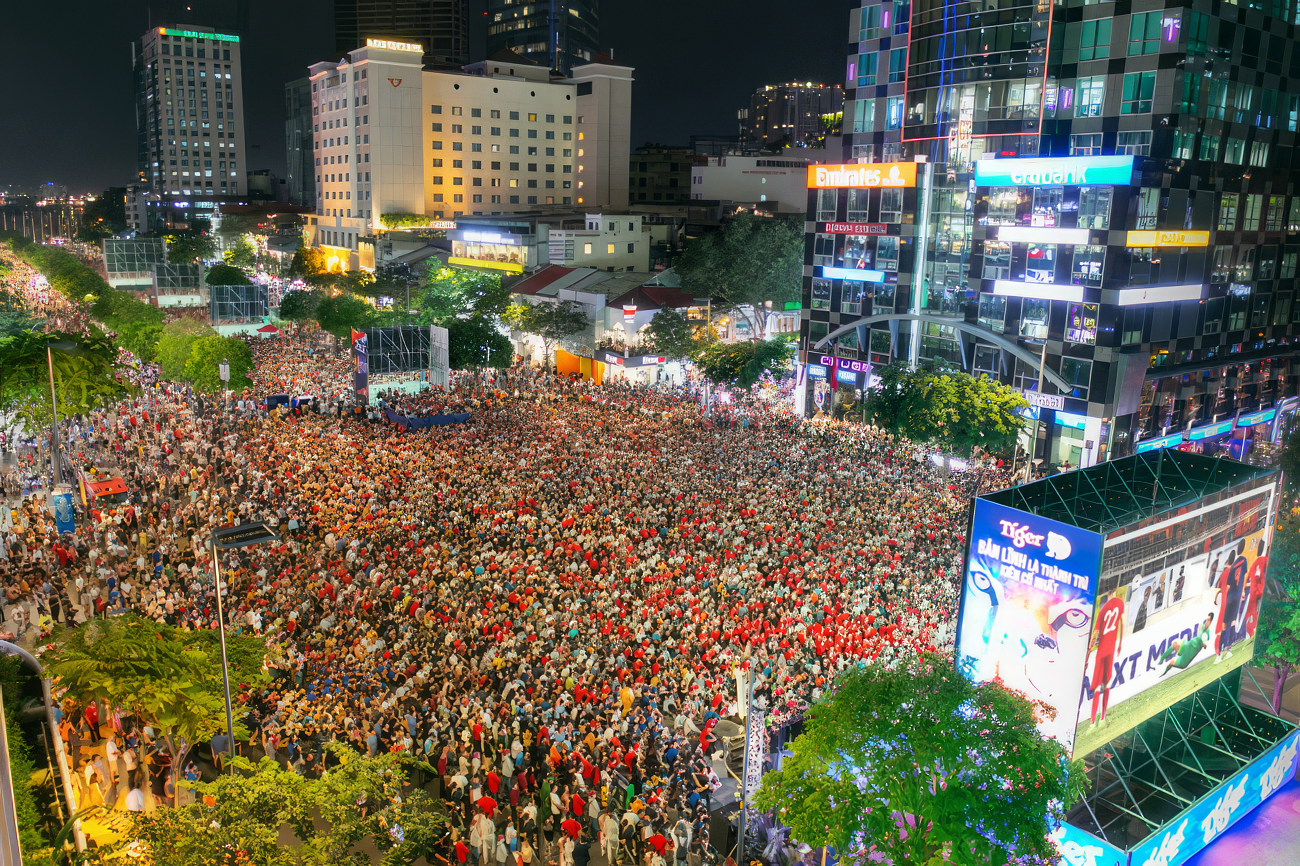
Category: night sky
<point>70,116</point>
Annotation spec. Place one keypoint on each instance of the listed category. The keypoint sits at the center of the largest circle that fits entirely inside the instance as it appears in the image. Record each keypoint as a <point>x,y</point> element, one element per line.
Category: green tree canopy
<point>161,674</point>
<point>175,343</point>
<point>918,765</point>
<point>227,274</point>
<point>1277,638</point>
<point>450,293</point>
<point>752,260</point>
<point>87,374</point>
<point>300,306</point>
<point>339,314</point>
<point>742,364</point>
<point>552,323</point>
<point>309,263</point>
<point>950,408</point>
<point>202,368</point>
<point>469,341</point>
<point>187,247</point>
<point>677,337</point>
<point>105,216</point>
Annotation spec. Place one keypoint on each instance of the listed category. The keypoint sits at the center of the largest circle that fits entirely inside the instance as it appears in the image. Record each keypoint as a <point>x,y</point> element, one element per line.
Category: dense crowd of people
<point>549,603</point>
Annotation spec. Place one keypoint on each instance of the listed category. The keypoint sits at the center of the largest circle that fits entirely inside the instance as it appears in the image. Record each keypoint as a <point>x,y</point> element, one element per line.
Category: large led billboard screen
<point>1026,609</point>
<point>1176,608</point>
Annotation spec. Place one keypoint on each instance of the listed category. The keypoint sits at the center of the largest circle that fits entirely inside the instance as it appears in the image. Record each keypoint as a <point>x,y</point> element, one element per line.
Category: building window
<point>1089,93</point>
<point>1213,316</point>
<point>1144,33</point>
<point>1133,143</point>
<point>891,205</point>
<point>1086,144</point>
<point>1259,154</point>
<point>1094,207</point>
<point>1094,40</point>
<point>1138,89</point>
<point>858,201</point>
<point>867,69</point>
<point>1077,372</point>
<point>1131,334</point>
<point>1234,151</point>
<point>821,294</point>
<point>1089,264</point>
<point>827,199</point>
<point>1210,147</point>
<point>586,249</point>
<point>1276,205</point>
<point>997,260</point>
<point>1251,214</point>
<point>1228,212</point>
<point>897,65</point>
<point>823,250</point>
<point>864,113</point>
<point>993,308</point>
<point>894,106</point>
<point>1184,143</point>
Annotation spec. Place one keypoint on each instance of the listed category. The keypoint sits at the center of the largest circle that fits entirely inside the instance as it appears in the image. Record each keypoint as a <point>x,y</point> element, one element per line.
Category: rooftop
<point>1120,492</point>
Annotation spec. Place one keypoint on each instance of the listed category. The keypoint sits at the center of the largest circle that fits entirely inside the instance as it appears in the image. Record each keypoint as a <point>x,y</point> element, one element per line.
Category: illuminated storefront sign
<point>1168,239</point>
<point>1039,235</point>
<point>1218,429</point>
<point>445,225</point>
<point>395,46</point>
<point>854,228</point>
<point>862,175</point>
<point>857,275</point>
<point>845,363</point>
<point>1055,171</point>
<point>817,371</point>
<point>197,34</point>
<point>1042,291</point>
<point>1157,444</point>
<point>1045,401</point>
<point>1152,294</point>
<point>848,377</point>
<point>1070,419</point>
<point>1261,417</point>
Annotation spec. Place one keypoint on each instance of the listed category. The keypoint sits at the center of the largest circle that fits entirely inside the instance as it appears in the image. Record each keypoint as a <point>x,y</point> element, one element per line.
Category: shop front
<point>1209,439</point>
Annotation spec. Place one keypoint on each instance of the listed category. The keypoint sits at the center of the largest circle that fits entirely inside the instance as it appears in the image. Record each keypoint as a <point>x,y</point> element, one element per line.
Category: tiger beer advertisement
<point>1177,608</point>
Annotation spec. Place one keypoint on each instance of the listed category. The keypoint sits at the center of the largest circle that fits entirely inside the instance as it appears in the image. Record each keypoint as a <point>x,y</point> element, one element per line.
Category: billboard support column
<point>919,260</point>
<point>1033,438</point>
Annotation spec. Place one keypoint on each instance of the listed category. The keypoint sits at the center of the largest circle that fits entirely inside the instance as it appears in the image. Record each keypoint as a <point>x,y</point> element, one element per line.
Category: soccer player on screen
<point>1110,622</point>
<point>1255,580</point>
<point>1230,583</point>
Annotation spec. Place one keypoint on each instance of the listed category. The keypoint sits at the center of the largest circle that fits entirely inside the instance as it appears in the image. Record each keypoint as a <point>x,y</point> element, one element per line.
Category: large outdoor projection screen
<point>1105,631</point>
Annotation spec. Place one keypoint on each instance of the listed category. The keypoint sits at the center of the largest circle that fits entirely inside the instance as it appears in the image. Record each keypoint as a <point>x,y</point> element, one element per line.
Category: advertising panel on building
<point>1055,171</point>
<point>1177,607</point>
<point>1026,608</point>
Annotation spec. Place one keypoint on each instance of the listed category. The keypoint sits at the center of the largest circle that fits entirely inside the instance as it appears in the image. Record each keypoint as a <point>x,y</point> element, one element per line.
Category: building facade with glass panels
<point>1106,187</point>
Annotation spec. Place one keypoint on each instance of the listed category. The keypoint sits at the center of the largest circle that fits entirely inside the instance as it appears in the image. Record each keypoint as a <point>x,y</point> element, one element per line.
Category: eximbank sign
<point>1055,171</point>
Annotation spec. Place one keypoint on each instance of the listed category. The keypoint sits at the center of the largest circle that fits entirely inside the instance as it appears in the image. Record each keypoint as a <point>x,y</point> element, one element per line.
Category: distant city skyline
<point>85,139</point>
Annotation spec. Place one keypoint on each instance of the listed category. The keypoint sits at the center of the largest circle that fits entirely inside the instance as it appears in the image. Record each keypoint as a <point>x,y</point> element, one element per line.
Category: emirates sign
<point>854,228</point>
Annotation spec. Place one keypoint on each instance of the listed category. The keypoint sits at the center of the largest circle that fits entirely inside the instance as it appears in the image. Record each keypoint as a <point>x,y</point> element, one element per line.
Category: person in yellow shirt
<point>625,698</point>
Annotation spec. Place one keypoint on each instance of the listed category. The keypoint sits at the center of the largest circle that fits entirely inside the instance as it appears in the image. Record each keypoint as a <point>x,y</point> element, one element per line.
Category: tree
<point>919,765</point>
<point>742,364</point>
<point>937,404</point>
<point>450,293</point>
<point>21,767</point>
<point>176,342</point>
<point>14,315</point>
<point>88,374</point>
<point>1277,638</point>
<point>752,260</point>
<point>339,314</point>
<point>238,817</point>
<point>676,337</point>
<point>309,263</point>
<point>157,673</point>
<point>552,323</point>
<point>227,274</point>
<point>103,216</point>
<point>300,306</point>
<point>477,342</point>
<point>190,246</point>
<point>203,367</point>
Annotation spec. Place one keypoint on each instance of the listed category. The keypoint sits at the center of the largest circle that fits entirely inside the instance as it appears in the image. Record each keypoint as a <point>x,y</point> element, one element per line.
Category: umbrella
<point>487,804</point>
<point>268,329</point>
<point>572,827</point>
<point>658,842</point>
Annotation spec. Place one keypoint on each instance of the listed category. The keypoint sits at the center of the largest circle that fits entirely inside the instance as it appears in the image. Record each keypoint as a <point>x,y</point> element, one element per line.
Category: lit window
<point>586,248</point>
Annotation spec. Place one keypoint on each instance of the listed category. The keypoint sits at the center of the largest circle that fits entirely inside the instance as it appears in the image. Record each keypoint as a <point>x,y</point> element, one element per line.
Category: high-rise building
<point>502,137</point>
<point>189,122</point>
<point>557,35</point>
<point>1102,202</point>
<point>438,25</point>
<point>299,158</point>
<point>794,114</point>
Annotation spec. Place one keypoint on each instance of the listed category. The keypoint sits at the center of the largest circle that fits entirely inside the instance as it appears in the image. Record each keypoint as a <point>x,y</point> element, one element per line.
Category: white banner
<point>439,369</point>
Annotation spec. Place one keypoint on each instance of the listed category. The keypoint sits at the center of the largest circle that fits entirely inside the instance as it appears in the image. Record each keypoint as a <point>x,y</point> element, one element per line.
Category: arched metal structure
<point>974,330</point>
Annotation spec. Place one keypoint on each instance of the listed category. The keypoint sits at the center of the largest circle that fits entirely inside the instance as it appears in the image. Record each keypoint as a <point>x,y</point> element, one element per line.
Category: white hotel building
<point>500,137</point>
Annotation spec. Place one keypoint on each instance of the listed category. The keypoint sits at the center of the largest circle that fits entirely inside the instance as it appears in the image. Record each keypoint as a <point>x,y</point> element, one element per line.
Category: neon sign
<point>1153,294</point>
<point>1209,430</point>
<point>1041,291</point>
<point>1168,239</point>
<point>1055,171</point>
<point>863,175</point>
<point>845,363</point>
<point>196,34</point>
<point>1157,444</point>
<point>395,46</point>
<point>854,228</point>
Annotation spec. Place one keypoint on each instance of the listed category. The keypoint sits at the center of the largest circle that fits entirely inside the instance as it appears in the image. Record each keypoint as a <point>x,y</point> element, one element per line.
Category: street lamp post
<point>226,538</point>
<point>56,460</point>
<point>223,370</point>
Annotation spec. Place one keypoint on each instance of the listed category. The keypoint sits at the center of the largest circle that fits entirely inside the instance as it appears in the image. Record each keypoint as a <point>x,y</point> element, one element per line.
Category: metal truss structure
<point>237,305</point>
<point>1145,777</point>
<point>401,349</point>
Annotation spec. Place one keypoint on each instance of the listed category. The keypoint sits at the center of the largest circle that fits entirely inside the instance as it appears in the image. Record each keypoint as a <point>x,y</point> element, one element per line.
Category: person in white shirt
<point>135,799</point>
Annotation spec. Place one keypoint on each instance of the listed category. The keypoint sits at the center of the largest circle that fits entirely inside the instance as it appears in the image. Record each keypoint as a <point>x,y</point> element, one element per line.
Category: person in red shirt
<point>1110,622</point>
<point>1255,580</point>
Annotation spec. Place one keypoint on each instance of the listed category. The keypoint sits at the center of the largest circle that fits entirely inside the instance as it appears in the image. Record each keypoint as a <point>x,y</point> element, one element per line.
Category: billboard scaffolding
<point>401,349</point>
<point>1123,599</point>
<point>237,305</point>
